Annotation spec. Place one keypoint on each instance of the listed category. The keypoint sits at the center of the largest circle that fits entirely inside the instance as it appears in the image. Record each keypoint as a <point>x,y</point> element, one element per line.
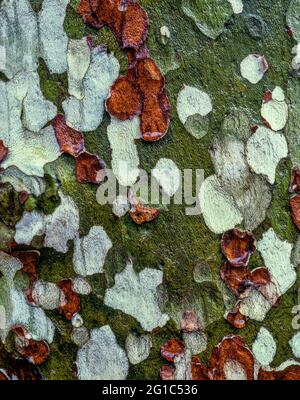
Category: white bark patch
<point>62,225</point>
<point>86,114</point>
<point>90,252</point>
<point>136,294</point>
<point>264,151</point>
<point>15,307</point>
<point>277,257</point>
<point>78,64</point>
<point>253,68</point>
<point>22,182</point>
<point>234,371</point>
<point>292,18</point>
<point>46,295</point>
<point>275,111</point>
<point>219,208</point>
<point>18,37</point>
<point>120,206</point>
<point>53,39</point>
<point>295,344</point>
<point>237,6</point>
<point>264,347</point>
<point>193,107</point>
<point>41,148</point>
<point>250,192</point>
<point>22,102</point>
<point>255,305</point>
<point>192,101</point>
<point>125,159</point>
<point>30,225</point>
<point>138,348</point>
<point>183,366</point>
<point>196,342</point>
<point>37,111</point>
<point>81,286</point>
<point>296,59</point>
<point>101,358</point>
<point>59,227</point>
<point>167,175</point>
<point>230,164</point>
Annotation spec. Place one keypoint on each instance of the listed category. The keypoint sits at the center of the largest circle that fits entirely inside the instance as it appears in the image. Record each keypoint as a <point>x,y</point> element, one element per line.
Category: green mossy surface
<point>175,242</point>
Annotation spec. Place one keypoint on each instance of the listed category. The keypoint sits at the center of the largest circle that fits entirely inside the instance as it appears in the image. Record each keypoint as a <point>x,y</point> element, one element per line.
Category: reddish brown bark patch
<point>154,120</point>
<point>267,96</point>
<point>70,304</point>
<point>295,209</point>
<point>3,151</point>
<point>24,370</point>
<point>234,349</point>
<point>3,375</point>
<point>291,373</point>
<point>34,351</point>
<point>70,141</point>
<point>172,349</point>
<point>23,197</point>
<point>125,99</point>
<point>237,246</point>
<point>89,168</point>
<point>141,91</point>
<point>167,372</point>
<point>236,319</point>
<point>29,259</point>
<point>134,26</point>
<point>295,181</point>
<point>236,278</point>
<point>239,279</point>
<point>199,370</point>
<point>127,19</point>
<point>141,214</point>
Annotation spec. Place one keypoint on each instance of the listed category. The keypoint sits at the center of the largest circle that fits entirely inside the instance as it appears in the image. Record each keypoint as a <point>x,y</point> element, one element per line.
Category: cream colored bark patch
<point>58,228</point>
<point>167,175</point>
<point>253,68</point>
<point>135,294</point>
<point>275,110</point>
<point>219,208</point>
<point>265,149</point>
<point>264,347</point>
<point>125,159</point>
<point>90,252</point>
<point>277,257</point>
<point>101,358</point>
<point>86,114</point>
<point>15,309</point>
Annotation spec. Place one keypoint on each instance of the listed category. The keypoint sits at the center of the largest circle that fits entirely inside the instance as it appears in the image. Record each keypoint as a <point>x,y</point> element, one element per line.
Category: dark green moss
<point>49,200</point>
<point>10,207</point>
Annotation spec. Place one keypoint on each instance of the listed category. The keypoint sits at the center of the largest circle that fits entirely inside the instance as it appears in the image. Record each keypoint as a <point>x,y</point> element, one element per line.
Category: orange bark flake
<point>70,304</point>
<point>141,91</point>
<point>237,246</point>
<point>70,141</point>
<point>89,168</point>
<point>125,100</point>
<point>172,349</point>
<point>232,348</point>
<point>295,209</point>
<point>141,214</point>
